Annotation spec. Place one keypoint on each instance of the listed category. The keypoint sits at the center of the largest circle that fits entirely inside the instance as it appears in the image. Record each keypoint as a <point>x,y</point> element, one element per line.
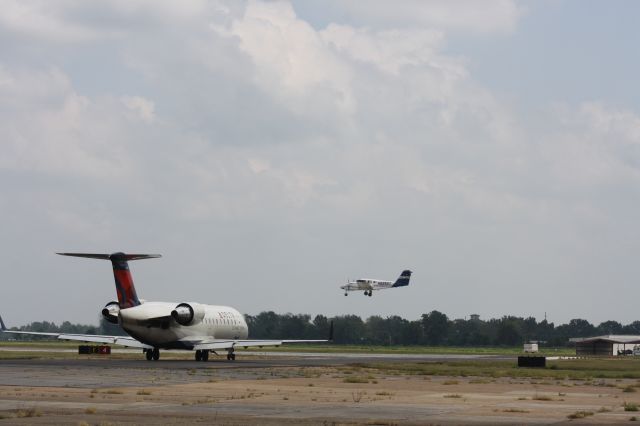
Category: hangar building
<point>610,345</point>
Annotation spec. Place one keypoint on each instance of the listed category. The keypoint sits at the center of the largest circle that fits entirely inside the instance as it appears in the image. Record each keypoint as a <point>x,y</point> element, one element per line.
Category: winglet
<point>2,326</point>
<point>331,332</point>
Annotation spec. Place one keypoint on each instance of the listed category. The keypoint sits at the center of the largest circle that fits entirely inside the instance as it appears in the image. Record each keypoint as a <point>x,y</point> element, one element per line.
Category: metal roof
<point>611,338</point>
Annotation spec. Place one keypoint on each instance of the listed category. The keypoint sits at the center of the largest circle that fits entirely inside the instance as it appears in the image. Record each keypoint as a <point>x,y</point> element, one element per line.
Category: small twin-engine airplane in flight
<point>368,285</point>
<point>160,325</point>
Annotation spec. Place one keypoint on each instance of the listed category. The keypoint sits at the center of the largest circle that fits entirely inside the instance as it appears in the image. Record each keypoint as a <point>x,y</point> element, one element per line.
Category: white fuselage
<point>366,284</point>
<point>218,322</point>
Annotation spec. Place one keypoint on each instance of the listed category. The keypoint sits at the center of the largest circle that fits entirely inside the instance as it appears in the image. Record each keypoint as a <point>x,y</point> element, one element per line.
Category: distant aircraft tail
<point>127,296</point>
<point>403,279</point>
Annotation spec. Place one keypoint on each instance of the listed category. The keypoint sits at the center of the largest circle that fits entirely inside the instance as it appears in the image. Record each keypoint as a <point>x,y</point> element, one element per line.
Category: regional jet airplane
<point>368,285</point>
<point>160,325</point>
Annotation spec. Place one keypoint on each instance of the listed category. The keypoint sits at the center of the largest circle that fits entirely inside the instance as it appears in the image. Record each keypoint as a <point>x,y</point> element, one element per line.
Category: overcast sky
<point>272,150</point>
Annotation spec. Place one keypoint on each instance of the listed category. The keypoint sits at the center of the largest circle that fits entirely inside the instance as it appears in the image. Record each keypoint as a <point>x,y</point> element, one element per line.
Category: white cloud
<point>241,131</point>
<point>141,107</point>
<point>50,128</point>
<point>44,21</point>
<point>496,16</point>
<point>292,60</point>
<point>388,50</point>
<point>623,124</point>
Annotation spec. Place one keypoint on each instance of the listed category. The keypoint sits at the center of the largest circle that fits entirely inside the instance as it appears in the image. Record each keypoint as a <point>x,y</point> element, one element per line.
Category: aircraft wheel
<point>233,357</point>
<point>346,294</point>
<point>148,354</point>
<point>370,294</point>
<point>156,354</point>
<point>205,356</point>
<point>198,355</point>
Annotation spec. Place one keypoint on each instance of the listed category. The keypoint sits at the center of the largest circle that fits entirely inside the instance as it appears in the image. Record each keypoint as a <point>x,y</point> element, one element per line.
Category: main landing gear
<point>230,355</point>
<point>152,354</point>
<point>368,293</point>
<point>202,355</point>
<point>346,294</point>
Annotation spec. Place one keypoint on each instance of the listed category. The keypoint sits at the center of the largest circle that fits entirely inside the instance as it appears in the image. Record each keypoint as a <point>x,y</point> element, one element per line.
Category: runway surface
<point>103,370</point>
<point>287,389</point>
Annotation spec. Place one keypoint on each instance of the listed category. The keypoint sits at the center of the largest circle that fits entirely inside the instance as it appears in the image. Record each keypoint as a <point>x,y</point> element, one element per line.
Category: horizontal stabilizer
<point>118,256</point>
<point>127,295</point>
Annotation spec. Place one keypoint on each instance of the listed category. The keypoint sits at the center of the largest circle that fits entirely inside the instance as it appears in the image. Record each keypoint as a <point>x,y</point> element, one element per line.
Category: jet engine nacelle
<point>110,312</point>
<point>188,313</point>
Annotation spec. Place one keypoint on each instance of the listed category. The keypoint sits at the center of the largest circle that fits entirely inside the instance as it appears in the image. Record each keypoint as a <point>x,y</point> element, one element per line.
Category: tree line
<point>432,329</point>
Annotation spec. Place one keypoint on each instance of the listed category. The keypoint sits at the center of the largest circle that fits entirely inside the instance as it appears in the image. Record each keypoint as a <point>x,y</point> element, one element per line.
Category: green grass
<point>578,369</point>
<point>333,348</point>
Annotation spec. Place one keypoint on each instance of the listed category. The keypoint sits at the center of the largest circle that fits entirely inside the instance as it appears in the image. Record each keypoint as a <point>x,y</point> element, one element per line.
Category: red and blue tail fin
<point>403,279</point>
<point>127,296</point>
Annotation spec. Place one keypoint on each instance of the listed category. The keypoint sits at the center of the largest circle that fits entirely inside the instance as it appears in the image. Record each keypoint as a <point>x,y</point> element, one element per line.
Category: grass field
<point>587,369</point>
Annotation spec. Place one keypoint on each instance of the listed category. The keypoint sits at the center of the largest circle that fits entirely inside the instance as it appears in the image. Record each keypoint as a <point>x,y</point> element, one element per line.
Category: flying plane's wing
<point>94,338</point>
<point>359,285</point>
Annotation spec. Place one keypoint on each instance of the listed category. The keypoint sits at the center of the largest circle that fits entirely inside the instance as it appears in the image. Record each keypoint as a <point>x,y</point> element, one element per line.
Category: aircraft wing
<point>234,344</point>
<point>94,338</point>
<point>358,286</point>
<point>220,344</point>
<point>363,285</point>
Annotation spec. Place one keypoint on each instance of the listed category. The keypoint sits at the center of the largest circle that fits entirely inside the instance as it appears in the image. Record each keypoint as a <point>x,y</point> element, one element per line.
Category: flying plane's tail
<point>403,279</point>
<point>127,296</point>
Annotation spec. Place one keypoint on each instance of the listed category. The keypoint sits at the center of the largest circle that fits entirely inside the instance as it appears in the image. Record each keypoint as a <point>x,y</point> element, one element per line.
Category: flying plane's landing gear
<point>346,294</point>
<point>202,355</point>
<point>231,356</point>
<point>367,293</point>
<point>152,354</point>
<point>370,293</point>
